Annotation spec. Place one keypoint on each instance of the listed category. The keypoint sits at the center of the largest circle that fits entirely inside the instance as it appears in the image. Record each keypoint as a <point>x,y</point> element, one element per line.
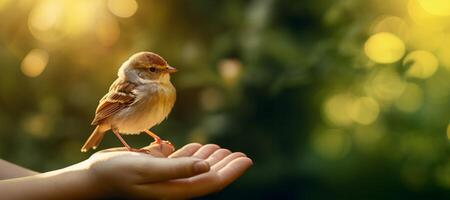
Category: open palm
<point>162,173</point>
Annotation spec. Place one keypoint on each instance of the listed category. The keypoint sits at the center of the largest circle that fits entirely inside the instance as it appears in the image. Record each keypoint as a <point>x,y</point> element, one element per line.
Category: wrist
<point>84,183</point>
<point>73,182</point>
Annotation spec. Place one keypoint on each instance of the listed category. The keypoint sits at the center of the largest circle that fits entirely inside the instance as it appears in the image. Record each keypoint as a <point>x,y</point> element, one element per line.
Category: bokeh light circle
<point>34,62</point>
<point>422,64</point>
<point>364,110</point>
<point>384,48</point>
<point>385,85</point>
<point>391,24</point>
<point>123,8</point>
<point>336,109</point>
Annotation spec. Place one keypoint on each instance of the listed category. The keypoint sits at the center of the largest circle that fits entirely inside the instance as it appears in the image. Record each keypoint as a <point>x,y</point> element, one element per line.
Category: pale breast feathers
<point>120,95</point>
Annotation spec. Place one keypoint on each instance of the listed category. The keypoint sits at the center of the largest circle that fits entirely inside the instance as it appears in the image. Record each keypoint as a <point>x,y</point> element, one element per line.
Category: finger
<point>163,169</point>
<point>199,185</point>
<point>234,170</point>
<point>186,151</point>
<point>182,188</point>
<point>218,156</point>
<point>206,150</point>
<point>160,150</point>
<point>219,165</point>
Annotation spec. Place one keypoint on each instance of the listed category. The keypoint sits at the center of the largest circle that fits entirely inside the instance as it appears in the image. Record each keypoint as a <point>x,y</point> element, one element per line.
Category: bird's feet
<point>161,142</point>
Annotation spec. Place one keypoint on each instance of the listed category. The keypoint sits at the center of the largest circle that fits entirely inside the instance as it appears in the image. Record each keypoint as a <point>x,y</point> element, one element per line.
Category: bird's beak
<point>171,69</point>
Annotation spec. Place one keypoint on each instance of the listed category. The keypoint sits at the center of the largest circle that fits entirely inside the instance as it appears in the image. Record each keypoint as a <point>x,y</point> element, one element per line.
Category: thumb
<point>162,169</point>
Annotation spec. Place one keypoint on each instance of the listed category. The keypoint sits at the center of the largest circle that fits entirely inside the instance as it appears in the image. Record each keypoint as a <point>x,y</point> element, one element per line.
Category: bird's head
<point>146,66</point>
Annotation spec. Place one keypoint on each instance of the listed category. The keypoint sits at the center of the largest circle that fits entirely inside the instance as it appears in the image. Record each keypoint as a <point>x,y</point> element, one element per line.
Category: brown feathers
<point>140,98</point>
<point>120,95</point>
<point>147,59</point>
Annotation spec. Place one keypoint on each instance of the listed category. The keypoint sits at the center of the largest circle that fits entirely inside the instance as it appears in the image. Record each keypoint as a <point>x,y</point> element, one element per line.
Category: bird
<point>141,97</point>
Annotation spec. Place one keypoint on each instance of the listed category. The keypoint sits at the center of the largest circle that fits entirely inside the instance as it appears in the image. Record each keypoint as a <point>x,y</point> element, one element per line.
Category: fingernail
<point>200,167</point>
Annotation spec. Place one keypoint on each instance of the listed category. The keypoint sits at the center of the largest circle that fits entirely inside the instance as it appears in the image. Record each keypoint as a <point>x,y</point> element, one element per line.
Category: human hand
<point>154,175</point>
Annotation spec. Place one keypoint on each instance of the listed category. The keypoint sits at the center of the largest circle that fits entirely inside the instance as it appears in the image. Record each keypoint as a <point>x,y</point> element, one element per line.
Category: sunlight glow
<point>44,20</point>
<point>107,31</point>
<point>424,18</point>
<point>34,62</point>
<point>45,15</point>
<point>384,48</point>
<point>436,7</point>
<point>52,20</point>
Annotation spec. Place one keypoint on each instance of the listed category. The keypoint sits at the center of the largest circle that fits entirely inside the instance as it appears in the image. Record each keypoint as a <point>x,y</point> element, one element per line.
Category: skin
<point>163,174</point>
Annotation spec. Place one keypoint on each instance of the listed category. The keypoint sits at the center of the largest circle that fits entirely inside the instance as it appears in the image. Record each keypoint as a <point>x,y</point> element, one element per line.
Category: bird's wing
<point>120,95</point>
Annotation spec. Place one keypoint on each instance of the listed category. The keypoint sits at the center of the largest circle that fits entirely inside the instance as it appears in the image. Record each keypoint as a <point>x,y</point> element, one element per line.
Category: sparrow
<point>141,97</point>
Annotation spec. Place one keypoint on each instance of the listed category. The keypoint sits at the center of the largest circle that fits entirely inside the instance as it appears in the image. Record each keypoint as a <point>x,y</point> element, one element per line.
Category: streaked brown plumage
<point>142,96</point>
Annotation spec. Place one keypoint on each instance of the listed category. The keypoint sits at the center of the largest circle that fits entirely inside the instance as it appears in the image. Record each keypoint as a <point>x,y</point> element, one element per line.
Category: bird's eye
<point>152,69</point>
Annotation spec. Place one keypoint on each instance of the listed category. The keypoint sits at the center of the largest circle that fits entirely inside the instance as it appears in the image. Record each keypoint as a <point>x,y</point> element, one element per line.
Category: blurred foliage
<point>332,99</point>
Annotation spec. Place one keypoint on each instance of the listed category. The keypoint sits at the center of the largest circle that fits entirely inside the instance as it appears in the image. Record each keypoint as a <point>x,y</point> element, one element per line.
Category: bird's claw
<point>161,142</point>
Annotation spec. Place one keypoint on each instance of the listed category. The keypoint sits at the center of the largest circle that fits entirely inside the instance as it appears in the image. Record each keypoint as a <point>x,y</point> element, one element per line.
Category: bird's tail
<point>94,140</point>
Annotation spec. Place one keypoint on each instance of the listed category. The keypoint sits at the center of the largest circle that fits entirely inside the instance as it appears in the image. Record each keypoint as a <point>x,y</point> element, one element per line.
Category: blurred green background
<point>345,99</point>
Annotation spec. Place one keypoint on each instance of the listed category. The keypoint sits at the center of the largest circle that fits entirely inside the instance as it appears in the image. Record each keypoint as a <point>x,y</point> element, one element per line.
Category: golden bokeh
<point>53,20</point>
<point>422,64</point>
<point>364,110</point>
<point>385,85</point>
<point>123,8</point>
<point>391,24</point>
<point>34,63</point>
<point>337,109</point>
<point>79,21</point>
<point>424,18</point>
<point>436,7</point>
<point>230,70</point>
<point>411,98</point>
<point>46,14</point>
<point>384,48</point>
<point>44,21</point>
